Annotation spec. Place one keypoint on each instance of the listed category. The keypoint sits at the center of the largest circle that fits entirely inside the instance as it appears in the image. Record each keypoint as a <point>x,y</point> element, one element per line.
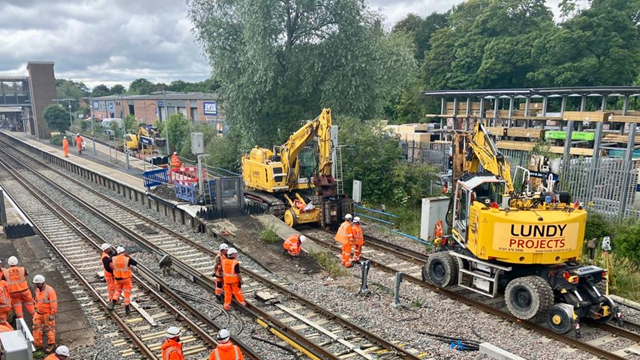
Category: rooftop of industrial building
<point>168,96</point>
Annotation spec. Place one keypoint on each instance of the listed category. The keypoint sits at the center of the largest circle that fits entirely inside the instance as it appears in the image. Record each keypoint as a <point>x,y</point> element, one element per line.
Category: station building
<point>24,98</point>
<point>196,106</point>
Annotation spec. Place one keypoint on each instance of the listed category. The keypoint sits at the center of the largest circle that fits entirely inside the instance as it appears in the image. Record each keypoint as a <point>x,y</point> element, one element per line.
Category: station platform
<point>99,163</point>
<point>14,216</point>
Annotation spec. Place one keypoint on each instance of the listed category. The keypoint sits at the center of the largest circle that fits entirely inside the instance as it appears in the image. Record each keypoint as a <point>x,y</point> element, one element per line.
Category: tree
<point>57,118</point>
<point>141,86</point>
<point>178,126</point>
<point>410,24</point>
<point>130,123</point>
<point>100,90</point>
<point>67,89</point>
<point>117,89</point>
<point>279,62</point>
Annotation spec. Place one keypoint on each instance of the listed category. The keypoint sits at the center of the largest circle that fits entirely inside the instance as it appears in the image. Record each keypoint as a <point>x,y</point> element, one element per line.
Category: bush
<point>269,235</point>
<point>57,118</point>
<point>56,139</point>
<point>626,241</point>
<point>328,261</point>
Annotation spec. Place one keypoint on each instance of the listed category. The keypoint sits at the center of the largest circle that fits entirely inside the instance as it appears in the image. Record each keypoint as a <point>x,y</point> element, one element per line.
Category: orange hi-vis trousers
<point>232,289</point>
<point>357,251</point>
<point>17,299</point>
<point>123,287</point>
<point>346,254</point>
<point>41,322</point>
<point>4,314</point>
<point>111,285</point>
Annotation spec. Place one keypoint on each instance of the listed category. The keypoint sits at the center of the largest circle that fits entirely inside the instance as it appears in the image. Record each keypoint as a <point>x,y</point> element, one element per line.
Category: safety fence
<point>155,177</point>
<point>384,219</point>
<point>434,154</point>
<point>185,190</point>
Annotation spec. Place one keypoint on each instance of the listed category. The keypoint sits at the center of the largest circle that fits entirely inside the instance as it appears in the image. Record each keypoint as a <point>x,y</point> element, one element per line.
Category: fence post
<point>396,298</point>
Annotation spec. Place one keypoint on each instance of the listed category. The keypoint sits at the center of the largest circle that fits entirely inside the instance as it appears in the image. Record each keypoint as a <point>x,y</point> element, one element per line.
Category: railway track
<point>313,330</point>
<point>79,248</point>
<point>392,258</point>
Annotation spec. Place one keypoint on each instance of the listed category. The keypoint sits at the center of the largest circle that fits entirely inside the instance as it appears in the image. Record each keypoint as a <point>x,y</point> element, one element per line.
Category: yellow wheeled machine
<point>273,178</point>
<point>522,244</point>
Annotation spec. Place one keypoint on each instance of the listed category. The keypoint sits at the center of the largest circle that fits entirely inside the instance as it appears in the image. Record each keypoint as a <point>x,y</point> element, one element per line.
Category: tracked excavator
<point>517,243</point>
<point>273,178</point>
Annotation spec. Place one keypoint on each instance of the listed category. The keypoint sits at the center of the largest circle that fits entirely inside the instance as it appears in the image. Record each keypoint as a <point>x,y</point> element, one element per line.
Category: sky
<point>117,41</point>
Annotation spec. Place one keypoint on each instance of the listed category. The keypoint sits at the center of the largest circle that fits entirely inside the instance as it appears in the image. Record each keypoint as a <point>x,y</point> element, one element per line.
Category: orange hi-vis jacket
<point>175,161</point>
<point>102,257</point>
<point>121,268</point>
<point>46,301</point>
<point>229,275</point>
<point>292,243</point>
<point>226,351</point>
<point>5,295</point>
<point>172,350</point>
<point>217,262</point>
<point>358,236</point>
<point>16,278</point>
<point>345,233</point>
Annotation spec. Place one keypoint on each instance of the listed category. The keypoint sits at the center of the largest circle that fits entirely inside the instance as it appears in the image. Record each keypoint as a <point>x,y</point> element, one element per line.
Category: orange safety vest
<point>229,275</point>
<point>172,350</point>
<point>65,144</point>
<point>46,300</point>
<point>16,279</point>
<point>292,242</point>
<point>79,142</point>
<point>175,161</point>
<point>224,352</point>
<point>218,263</point>
<point>5,295</point>
<point>345,233</point>
<point>104,255</point>
<point>358,236</point>
<point>52,357</point>
<point>121,268</point>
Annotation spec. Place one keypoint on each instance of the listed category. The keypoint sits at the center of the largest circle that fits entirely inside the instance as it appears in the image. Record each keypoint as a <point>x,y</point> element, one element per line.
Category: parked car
<point>106,124</point>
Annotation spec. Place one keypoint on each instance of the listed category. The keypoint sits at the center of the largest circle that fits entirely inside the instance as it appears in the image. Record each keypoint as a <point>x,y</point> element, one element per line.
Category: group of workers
<point>227,273</point>
<point>65,145</point>
<point>117,264</point>
<point>172,348</point>
<point>352,239</point>
<point>15,294</point>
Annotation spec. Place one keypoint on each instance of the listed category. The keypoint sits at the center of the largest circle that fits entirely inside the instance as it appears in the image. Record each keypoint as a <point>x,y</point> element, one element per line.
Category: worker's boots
<point>127,310</point>
<point>112,304</point>
<point>49,349</point>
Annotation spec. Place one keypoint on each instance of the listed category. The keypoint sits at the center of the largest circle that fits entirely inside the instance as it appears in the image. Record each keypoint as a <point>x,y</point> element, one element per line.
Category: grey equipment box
<point>17,345</point>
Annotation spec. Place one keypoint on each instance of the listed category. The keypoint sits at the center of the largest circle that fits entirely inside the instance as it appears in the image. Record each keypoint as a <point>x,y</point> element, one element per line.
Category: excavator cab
<point>484,188</point>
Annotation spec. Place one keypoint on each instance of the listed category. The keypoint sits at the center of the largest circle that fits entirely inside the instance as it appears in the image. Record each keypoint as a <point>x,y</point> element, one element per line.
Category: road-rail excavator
<point>522,244</point>
<point>273,178</point>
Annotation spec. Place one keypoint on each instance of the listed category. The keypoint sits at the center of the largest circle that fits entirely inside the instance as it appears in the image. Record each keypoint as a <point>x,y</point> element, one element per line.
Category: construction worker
<point>175,161</point>
<point>358,238</point>
<point>345,237</point>
<point>172,348</point>
<point>62,352</point>
<point>217,269</point>
<point>16,278</point>
<point>65,146</point>
<point>79,143</point>
<point>121,264</point>
<point>293,244</point>
<point>5,301</point>
<point>107,252</point>
<point>232,279</point>
<point>5,327</point>
<point>225,349</point>
<point>46,311</point>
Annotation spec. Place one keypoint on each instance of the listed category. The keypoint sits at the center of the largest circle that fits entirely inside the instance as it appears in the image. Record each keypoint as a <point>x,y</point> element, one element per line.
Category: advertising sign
<point>535,238</point>
<point>210,108</point>
<point>95,105</point>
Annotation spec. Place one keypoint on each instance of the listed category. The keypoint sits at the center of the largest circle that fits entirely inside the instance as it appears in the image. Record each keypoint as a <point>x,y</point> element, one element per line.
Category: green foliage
<point>209,134</point>
<point>100,90</point>
<point>68,89</point>
<point>269,235</point>
<point>56,139</point>
<point>411,183</point>
<point>329,262</point>
<point>57,118</point>
<point>130,124</point>
<point>178,127</point>
<point>116,130</point>
<point>117,89</point>
<point>281,62</point>
<point>626,242</point>
<point>141,87</point>
<point>225,152</point>
<point>598,227</point>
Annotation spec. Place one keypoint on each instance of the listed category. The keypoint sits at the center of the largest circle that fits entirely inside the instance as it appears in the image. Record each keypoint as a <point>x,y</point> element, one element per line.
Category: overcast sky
<point>117,41</point>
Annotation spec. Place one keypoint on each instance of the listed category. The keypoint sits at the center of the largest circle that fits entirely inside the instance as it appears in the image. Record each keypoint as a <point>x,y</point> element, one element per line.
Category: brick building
<point>199,107</point>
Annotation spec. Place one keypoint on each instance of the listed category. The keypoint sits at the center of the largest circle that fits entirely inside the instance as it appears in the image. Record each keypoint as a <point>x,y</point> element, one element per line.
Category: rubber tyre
<point>290,218</point>
<point>559,319</point>
<point>528,297</point>
<point>441,269</point>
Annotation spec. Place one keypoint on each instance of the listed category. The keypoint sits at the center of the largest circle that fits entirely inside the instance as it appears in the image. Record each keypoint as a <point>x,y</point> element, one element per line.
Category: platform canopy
<point>10,110</point>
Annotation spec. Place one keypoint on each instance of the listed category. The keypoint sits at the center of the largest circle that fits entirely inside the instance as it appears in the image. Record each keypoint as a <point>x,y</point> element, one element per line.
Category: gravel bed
<point>381,233</point>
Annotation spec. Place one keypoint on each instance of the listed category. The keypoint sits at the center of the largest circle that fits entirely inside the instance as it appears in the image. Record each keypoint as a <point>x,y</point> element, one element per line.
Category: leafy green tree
<point>141,86</point>
<point>68,89</point>
<point>429,26</point>
<point>100,90</point>
<point>627,241</point>
<point>178,127</point>
<point>116,130</point>
<point>410,24</point>
<point>279,62</point>
<point>130,124</point>
<point>117,89</point>
<point>225,152</point>
<point>57,118</point>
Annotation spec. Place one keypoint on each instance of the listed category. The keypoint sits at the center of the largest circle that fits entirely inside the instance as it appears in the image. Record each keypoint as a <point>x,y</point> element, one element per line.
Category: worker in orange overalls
<point>172,348</point>
<point>107,252</point>
<point>65,146</point>
<point>217,269</point>
<point>293,244</point>
<point>16,278</point>
<point>46,311</point>
<point>175,161</point>
<point>225,349</point>
<point>5,327</point>
<point>358,238</point>
<point>62,353</point>
<point>345,237</point>
<point>5,301</point>
<point>232,279</point>
<point>121,265</point>
<point>79,143</point>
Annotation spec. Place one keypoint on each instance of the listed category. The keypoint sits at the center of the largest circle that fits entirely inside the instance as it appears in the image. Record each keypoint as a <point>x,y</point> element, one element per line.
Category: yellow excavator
<point>513,242</point>
<point>148,137</point>
<point>273,178</point>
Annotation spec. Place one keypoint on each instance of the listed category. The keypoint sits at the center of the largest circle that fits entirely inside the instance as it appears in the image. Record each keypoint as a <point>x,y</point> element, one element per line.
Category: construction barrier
<point>185,190</point>
<point>185,174</point>
<point>155,177</point>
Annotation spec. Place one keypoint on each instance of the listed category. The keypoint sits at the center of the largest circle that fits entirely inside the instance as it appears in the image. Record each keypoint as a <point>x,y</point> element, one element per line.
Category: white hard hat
<point>62,350</point>
<point>232,251</point>
<point>303,238</point>
<point>65,137</point>
<point>120,250</point>
<point>223,335</point>
<point>104,246</point>
<point>13,261</point>
<point>223,246</point>
<point>38,279</point>
<point>173,332</point>
<point>356,219</point>
<point>348,217</point>
<point>175,153</point>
